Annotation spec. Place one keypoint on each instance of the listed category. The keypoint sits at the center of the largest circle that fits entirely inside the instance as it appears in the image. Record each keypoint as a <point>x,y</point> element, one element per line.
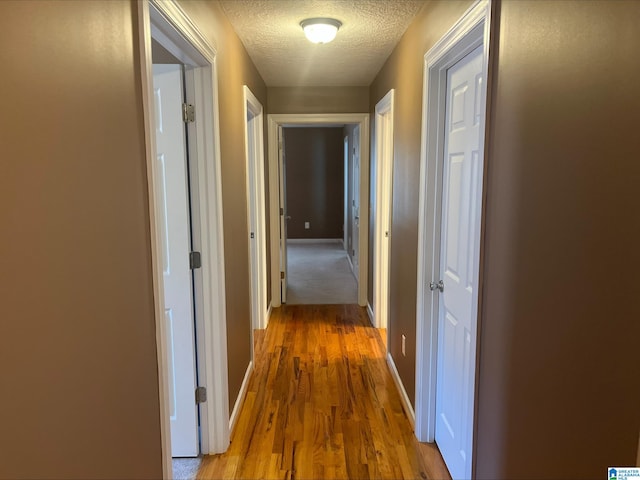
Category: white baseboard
<point>267,315</point>
<point>370,314</point>
<point>406,403</point>
<point>240,400</point>
<point>314,240</point>
<point>353,270</point>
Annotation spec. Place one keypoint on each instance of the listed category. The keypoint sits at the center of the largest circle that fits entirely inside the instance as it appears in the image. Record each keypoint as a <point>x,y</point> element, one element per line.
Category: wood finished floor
<point>321,404</point>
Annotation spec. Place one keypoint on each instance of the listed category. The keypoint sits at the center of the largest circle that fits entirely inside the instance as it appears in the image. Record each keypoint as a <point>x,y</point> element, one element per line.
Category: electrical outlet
<point>404,344</point>
<point>307,226</point>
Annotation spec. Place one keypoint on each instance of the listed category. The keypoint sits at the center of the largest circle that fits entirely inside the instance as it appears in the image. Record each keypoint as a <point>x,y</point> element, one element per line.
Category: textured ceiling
<point>270,31</point>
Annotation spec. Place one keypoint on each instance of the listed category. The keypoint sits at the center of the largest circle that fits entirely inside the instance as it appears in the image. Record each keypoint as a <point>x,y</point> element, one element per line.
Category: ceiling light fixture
<point>320,30</point>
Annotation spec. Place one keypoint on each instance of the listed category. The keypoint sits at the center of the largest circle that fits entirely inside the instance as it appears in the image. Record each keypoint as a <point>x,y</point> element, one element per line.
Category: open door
<point>283,217</point>
<point>173,217</point>
<point>254,146</point>
<point>355,203</point>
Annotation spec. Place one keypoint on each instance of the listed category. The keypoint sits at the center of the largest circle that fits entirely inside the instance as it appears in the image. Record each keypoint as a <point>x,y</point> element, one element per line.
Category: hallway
<point>321,404</point>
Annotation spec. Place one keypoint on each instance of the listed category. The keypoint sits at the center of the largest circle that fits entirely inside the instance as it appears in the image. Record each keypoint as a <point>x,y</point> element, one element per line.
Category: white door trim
<point>167,23</point>
<point>469,32</point>
<point>383,206</point>
<point>276,120</point>
<point>258,272</point>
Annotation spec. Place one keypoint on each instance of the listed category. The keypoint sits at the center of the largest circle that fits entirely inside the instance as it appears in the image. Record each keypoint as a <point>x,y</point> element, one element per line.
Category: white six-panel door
<point>461,203</point>
<point>173,218</point>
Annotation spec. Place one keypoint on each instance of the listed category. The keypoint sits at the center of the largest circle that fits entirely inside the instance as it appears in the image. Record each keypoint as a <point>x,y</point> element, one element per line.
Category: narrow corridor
<point>322,405</point>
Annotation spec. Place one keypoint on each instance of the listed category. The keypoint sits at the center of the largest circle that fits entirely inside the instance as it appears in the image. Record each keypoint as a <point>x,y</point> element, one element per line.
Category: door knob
<point>288,217</point>
<point>436,286</point>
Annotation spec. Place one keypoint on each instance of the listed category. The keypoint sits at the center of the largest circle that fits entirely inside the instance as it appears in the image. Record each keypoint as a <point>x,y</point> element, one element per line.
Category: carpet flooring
<point>185,468</point>
<point>319,273</point>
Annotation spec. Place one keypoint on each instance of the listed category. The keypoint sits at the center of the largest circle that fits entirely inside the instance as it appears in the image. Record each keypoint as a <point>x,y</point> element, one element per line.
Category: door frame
<point>258,272</point>
<point>383,208</point>
<point>471,31</point>
<point>167,23</point>
<point>311,120</point>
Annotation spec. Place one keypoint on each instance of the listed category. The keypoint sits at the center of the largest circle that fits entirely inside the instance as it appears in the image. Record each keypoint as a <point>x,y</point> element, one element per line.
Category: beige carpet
<point>186,468</point>
<point>319,273</point>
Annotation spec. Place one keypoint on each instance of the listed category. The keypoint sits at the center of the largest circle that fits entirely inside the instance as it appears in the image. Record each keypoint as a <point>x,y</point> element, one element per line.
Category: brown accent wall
<point>77,336</point>
<point>315,181</point>
<point>558,384</point>
<point>235,69</point>
<point>318,99</point>
<point>403,71</point>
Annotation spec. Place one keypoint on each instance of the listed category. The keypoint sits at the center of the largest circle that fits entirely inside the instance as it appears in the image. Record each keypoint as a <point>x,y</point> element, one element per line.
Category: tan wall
<point>77,337</point>
<point>235,69</point>
<point>403,71</point>
<point>318,99</point>
<point>559,369</point>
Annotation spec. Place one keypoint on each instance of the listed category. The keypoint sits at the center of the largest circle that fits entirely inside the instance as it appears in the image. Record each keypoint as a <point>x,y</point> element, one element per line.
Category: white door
<point>256,208</point>
<point>173,218</point>
<point>283,216</point>
<point>355,202</point>
<point>383,204</point>
<point>459,253</point>
<point>345,223</point>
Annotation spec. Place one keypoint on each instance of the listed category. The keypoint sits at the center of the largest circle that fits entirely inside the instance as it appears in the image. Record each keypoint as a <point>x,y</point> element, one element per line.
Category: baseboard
<point>314,240</point>
<point>370,314</point>
<point>267,316</point>
<point>406,403</point>
<point>353,270</point>
<point>240,400</point>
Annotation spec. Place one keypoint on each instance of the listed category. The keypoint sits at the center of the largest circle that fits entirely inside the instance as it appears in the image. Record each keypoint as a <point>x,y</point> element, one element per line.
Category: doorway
<point>318,270</point>
<point>449,238</point>
<point>354,253</point>
<point>173,209</point>
<point>167,25</point>
<point>254,147</point>
<point>277,203</point>
<point>383,207</point>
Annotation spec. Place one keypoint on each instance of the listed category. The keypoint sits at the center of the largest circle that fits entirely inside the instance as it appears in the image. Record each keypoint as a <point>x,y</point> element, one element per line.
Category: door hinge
<point>281,211</point>
<point>188,113</point>
<point>281,275</point>
<point>201,395</point>
<point>195,260</point>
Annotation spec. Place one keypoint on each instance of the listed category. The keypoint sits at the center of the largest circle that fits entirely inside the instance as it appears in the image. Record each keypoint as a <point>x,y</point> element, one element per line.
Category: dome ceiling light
<point>320,30</point>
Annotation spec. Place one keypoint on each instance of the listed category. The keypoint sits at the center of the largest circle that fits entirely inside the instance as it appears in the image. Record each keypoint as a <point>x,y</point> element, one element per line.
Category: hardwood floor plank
<point>321,404</point>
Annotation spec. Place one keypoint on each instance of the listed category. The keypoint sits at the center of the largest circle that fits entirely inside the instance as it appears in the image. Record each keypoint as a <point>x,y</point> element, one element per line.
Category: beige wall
<point>559,368</point>
<point>235,69</point>
<point>78,363</point>
<point>403,72</point>
<point>318,99</point>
